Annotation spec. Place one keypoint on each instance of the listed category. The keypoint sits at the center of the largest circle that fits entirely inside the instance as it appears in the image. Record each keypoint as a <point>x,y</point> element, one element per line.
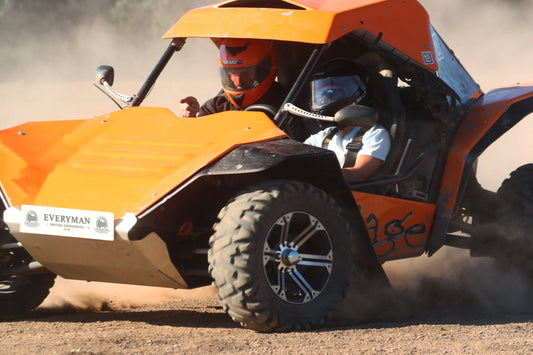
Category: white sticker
<point>428,58</point>
<point>67,222</point>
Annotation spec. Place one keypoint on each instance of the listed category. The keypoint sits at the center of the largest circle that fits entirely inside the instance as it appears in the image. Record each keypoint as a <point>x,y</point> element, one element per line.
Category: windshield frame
<point>452,72</point>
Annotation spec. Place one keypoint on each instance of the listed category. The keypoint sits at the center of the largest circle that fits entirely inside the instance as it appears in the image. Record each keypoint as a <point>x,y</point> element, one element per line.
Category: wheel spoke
<point>279,288</point>
<point>313,227</point>
<point>303,285</point>
<point>324,261</point>
<point>281,277</point>
<point>267,258</point>
<point>268,255</point>
<point>284,232</point>
<point>316,256</point>
<point>285,223</point>
<point>315,263</point>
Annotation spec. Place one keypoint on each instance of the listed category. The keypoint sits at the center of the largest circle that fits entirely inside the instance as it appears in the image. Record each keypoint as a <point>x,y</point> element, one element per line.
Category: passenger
<point>360,151</point>
<point>248,73</point>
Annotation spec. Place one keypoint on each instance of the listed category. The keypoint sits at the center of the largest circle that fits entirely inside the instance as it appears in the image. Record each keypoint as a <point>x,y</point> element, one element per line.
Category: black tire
<point>20,294</point>
<point>514,247</point>
<point>23,293</point>
<point>270,283</point>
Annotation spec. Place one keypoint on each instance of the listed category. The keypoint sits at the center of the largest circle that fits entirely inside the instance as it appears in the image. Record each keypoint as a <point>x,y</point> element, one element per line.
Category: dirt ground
<point>199,326</point>
<point>449,305</point>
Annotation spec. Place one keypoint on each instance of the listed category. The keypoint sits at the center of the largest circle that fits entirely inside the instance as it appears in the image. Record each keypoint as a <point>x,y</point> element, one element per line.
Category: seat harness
<point>353,147</point>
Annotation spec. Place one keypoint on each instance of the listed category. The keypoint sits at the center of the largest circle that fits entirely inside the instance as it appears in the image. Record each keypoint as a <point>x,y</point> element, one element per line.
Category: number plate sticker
<point>67,222</point>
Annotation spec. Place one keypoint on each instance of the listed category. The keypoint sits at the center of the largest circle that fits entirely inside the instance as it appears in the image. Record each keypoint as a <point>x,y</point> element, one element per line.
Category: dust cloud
<point>50,72</point>
<point>452,283</point>
<point>491,38</point>
<point>81,296</point>
<point>492,41</point>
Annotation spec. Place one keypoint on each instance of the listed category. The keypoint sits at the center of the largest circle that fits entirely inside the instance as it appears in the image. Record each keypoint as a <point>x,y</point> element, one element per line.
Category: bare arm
<point>365,165</point>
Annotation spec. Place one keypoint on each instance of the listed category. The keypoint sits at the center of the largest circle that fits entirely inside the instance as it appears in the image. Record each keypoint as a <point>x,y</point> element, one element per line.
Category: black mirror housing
<point>357,115</point>
<point>104,73</point>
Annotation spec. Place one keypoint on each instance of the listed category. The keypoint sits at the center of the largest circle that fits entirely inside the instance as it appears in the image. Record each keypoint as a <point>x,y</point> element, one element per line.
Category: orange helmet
<point>247,69</point>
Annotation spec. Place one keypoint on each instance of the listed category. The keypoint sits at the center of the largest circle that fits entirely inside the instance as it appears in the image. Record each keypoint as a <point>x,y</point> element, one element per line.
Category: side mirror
<point>357,115</point>
<point>104,73</point>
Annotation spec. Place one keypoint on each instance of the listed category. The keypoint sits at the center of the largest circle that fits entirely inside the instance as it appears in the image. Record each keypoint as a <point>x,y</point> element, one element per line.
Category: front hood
<point>121,162</point>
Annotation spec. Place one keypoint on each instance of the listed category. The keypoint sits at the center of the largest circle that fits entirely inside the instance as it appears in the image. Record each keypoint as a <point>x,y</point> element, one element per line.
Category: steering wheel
<point>269,110</point>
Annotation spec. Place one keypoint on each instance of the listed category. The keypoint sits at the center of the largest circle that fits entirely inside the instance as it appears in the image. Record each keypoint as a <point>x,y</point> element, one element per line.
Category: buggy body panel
<point>141,262</point>
<point>316,21</point>
<point>487,119</point>
<point>397,228</point>
<point>126,160</point>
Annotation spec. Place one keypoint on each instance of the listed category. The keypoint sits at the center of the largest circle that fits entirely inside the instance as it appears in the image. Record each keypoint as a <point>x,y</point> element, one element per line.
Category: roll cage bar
<point>401,170</point>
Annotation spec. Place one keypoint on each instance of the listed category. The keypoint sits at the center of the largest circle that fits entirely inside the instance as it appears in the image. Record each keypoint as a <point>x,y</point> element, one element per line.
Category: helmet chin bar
<point>237,99</point>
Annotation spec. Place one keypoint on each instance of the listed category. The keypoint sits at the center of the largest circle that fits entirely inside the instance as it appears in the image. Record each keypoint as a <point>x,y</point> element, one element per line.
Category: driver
<point>360,151</point>
<point>248,72</point>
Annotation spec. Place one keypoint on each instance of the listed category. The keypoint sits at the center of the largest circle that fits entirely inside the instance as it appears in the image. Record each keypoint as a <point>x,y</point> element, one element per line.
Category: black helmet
<point>339,83</point>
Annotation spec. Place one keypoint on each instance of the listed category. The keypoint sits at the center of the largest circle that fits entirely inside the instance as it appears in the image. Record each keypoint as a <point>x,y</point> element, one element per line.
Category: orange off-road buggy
<point>140,196</point>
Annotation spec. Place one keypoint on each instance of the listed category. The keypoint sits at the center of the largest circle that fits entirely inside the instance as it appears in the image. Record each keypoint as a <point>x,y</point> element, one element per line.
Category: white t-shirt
<point>376,142</point>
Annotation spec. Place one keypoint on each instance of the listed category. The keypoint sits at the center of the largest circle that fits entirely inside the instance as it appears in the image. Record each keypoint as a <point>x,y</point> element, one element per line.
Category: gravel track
<point>449,305</point>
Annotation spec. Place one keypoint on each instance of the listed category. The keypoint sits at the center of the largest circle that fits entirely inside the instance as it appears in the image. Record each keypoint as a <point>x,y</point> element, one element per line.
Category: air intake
<point>272,4</point>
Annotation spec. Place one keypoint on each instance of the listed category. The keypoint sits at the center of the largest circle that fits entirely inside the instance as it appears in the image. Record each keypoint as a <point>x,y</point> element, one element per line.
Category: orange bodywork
<point>397,228</point>
<point>403,24</point>
<point>481,117</point>
<point>120,162</point>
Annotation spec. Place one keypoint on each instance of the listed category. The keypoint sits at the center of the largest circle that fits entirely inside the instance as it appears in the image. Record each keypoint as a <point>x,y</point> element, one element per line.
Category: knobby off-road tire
<point>514,247</point>
<point>281,257</point>
<point>23,293</point>
<point>20,294</point>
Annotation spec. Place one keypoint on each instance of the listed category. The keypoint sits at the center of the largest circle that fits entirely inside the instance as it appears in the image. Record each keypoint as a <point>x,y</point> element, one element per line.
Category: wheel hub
<point>288,256</point>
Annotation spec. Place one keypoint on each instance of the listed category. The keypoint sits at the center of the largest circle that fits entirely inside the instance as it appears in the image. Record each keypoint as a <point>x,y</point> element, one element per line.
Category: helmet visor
<point>328,91</point>
<point>245,78</point>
